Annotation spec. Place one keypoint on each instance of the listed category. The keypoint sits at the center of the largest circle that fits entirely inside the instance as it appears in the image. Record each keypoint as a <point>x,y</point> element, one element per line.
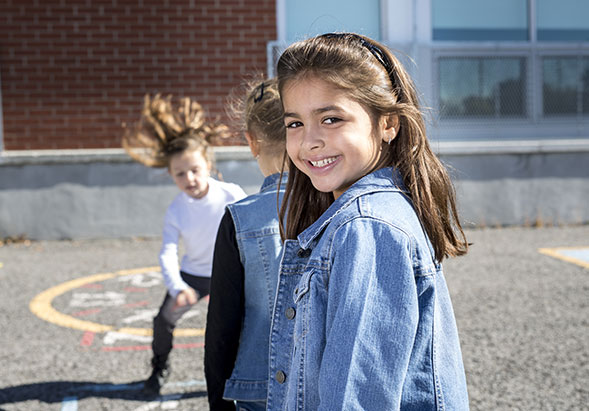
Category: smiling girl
<point>363,317</point>
<point>177,138</point>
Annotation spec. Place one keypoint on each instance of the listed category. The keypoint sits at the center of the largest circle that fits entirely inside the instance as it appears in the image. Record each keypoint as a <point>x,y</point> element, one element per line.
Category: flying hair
<point>166,129</point>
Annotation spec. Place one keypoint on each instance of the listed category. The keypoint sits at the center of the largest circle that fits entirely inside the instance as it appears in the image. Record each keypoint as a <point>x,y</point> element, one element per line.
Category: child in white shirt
<point>178,139</point>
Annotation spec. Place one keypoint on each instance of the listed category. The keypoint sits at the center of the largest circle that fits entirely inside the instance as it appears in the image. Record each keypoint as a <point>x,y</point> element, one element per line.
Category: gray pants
<point>165,321</point>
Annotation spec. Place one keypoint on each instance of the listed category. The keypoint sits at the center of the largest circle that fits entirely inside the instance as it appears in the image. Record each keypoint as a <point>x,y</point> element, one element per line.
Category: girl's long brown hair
<point>374,77</point>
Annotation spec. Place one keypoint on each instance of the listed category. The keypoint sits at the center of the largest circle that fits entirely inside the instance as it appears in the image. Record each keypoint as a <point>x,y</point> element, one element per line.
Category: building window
<point>482,87</point>
<point>480,20</point>
<point>565,84</point>
<point>498,60</point>
<point>306,18</point>
<point>562,20</point>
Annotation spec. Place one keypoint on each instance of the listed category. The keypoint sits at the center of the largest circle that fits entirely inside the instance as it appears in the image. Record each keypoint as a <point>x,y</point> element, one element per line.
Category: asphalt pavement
<point>75,318</point>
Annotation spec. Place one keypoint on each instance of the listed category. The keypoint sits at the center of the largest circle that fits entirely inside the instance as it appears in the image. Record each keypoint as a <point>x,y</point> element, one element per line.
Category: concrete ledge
<point>553,146</point>
<point>109,155</point>
<point>55,194</point>
<point>241,153</point>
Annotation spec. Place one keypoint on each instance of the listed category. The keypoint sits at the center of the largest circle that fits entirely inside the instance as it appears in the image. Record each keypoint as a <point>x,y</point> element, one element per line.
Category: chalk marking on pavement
<point>106,299</point>
<point>189,383</point>
<point>87,312</point>
<point>87,339</point>
<point>135,289</point>
<point>95,286</point>
<point>137,304</point>
<point>42,308</point>
<point>166,402</point>
<point>575,255</point>
<point>112,337</point>
<point>190,345</point>
<point>70,403</point>
<point>144,279</point>
<point>120,348</point>
<point>141,315</point>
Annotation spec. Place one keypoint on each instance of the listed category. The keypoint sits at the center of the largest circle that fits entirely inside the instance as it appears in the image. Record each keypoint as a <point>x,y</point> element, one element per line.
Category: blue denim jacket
<point>363,319</point>
<point>258,239</point>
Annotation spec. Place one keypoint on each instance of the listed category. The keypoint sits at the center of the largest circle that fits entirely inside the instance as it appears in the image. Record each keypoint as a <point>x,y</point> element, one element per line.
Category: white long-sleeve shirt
<point>195,222</point>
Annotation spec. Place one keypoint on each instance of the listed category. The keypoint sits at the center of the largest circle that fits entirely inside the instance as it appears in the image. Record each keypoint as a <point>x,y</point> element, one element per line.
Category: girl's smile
<point>329,136</point>
<point>324,162</point>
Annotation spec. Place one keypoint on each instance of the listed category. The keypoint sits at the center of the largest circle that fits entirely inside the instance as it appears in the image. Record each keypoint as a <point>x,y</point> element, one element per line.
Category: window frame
<point>535,124</point>
<point>416,40</point>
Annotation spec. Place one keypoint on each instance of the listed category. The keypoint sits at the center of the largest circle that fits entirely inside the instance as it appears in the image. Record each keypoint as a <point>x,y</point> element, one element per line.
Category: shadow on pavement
<point>58,391</point>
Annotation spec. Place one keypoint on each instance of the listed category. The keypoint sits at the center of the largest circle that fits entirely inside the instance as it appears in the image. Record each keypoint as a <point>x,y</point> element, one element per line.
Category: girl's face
<point>329,137</point>
<point>190,171</point>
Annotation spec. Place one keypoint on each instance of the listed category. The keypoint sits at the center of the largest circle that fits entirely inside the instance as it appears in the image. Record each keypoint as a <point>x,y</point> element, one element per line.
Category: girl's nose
<point>312,139</point>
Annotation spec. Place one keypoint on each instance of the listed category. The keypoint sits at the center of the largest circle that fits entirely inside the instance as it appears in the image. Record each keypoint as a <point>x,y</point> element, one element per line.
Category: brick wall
<point>73,70</point>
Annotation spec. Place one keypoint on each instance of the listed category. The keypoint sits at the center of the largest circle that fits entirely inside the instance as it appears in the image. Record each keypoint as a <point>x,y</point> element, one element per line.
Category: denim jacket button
<point>303,253</point>
<point>290,313</point>
<point>280,377</point>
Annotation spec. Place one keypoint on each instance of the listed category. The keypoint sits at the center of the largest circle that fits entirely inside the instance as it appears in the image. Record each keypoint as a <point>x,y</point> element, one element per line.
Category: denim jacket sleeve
<point>371,318</point>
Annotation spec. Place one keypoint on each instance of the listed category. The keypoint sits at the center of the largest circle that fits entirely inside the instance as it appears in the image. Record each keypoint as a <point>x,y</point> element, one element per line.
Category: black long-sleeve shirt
<point>225,314</point>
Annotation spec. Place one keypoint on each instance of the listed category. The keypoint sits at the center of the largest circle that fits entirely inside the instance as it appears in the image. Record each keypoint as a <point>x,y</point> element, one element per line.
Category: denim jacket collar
<point>272,180</point>
<point>384,179</point>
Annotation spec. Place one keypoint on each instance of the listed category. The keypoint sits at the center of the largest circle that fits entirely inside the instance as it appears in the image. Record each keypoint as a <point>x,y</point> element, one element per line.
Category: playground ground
<point>76,321</point>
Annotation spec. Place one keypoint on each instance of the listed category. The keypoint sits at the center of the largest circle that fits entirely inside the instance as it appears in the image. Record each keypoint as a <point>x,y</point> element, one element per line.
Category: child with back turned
<point>363,319</point>
<point>245,267</point>
<point>177,137</point>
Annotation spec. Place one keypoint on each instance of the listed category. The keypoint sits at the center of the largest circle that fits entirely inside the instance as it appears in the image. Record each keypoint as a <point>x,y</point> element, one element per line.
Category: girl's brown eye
<point>331,120</point>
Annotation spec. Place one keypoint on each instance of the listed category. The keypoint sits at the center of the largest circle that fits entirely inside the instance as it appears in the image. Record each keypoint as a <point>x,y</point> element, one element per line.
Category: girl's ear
<point>253,143</point>
<point>390,128</point>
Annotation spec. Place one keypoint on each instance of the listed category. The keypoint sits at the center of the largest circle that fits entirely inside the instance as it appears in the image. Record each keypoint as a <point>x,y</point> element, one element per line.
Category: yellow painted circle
<point>42,308</point>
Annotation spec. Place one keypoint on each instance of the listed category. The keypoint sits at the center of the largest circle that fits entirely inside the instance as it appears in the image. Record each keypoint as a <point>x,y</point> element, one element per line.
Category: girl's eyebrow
<point>316,111</point>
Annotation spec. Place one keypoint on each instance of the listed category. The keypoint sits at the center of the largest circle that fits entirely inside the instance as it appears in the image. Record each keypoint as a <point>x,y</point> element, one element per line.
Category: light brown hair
<point>258,111</point>
<point>371,75</point>
<point>167,128</point>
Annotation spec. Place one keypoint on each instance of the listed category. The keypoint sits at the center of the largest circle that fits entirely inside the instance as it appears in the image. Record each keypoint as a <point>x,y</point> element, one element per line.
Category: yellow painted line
<point>42,308</point>
<point>555,252</point>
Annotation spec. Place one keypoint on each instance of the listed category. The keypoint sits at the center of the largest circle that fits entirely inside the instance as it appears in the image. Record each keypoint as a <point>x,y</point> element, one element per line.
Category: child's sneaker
<point>159,376</point>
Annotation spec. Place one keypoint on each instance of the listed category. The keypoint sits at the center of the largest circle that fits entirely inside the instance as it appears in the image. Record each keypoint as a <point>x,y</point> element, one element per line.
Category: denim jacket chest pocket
<point>310,298</point>
<point>303,287</point>
<point>301,300</point>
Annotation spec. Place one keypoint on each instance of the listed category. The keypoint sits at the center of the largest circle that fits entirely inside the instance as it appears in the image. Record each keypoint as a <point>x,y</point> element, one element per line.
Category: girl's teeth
<point>322,163</point>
